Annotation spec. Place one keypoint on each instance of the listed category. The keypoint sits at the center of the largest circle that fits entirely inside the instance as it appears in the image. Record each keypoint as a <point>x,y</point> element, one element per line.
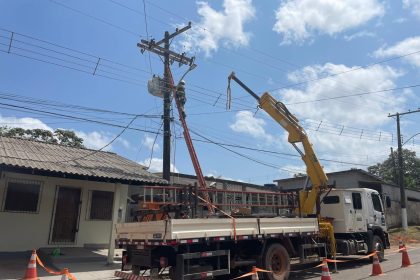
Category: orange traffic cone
<point>400,244</point>
<point>30,273</point>
<point>65,274</point>
<point>405,259</point>
<point>325,272</point>
<point>255,275</point>
<point>376,267</point>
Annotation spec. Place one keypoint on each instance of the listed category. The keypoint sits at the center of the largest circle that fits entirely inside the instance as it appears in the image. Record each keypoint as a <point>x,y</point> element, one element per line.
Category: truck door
<point>378,211</point>
<point>358,223</point>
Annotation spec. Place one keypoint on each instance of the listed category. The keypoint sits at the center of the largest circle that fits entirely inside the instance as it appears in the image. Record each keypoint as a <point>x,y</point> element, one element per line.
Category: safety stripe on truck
<point>123,242</point>
<point>129,276</point>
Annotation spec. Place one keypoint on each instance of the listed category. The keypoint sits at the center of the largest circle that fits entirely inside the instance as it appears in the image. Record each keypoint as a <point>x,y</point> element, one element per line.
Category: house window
<point>22,196</point>
<point>101,205</point>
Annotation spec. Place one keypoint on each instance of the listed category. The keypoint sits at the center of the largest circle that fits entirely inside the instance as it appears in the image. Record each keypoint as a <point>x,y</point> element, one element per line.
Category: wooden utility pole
<point>168,58</point>
<point>401,170</point>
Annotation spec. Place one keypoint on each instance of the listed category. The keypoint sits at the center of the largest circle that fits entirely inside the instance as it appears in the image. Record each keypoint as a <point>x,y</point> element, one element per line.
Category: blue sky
<point>333,63</point>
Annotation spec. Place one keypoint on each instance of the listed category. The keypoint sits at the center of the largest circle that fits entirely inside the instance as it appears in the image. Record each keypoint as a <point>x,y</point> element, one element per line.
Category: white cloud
<point>220,27</point>
<point>368,110</point>
<point>156,165</point>
<point>148,143</point>
<point>400,20</point>
<point>95,140</point>
<point>25,123</point>
<point>300,20</point>
<point>413,5</point>
<point>245,122</point>
<point>406,46</point>
<point>360,34</point>
<point>124,143</point>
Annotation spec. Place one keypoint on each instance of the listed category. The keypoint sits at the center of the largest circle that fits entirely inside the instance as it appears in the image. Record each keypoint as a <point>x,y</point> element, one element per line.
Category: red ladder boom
<point>190,146</point>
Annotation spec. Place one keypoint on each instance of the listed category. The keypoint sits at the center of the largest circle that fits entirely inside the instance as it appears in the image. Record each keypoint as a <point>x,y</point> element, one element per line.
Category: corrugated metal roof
<point>73,161</point>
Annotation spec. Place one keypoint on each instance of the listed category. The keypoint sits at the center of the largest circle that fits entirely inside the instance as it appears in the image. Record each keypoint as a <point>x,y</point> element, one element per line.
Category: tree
<point>299,174</point>
<point>388,169</point>
<point>68,138</point>
<point>59,136</point>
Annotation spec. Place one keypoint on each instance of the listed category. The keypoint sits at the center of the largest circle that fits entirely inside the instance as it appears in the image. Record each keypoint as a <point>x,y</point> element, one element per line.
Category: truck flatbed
<point>183,229</point>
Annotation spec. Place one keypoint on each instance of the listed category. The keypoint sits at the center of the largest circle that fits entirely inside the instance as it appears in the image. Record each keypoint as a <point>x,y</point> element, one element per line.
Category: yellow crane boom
<point>279,112</point>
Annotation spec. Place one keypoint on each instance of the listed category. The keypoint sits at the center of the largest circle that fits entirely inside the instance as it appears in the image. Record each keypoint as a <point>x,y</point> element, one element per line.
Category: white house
<point>54,196</point>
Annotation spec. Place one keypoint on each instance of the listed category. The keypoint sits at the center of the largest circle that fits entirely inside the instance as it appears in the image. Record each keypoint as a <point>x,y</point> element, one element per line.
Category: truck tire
<point>378,245</point>
<point>276,259</point>
<point>135,269</point>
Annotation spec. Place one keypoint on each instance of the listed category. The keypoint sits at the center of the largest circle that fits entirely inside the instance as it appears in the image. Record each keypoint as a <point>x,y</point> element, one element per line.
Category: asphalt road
<point>361,269</point>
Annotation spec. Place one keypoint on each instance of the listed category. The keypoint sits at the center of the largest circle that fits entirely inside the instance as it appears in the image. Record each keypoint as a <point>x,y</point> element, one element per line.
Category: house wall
<point>341,181</point>
<point>25,231</point>
<point>394,212</point>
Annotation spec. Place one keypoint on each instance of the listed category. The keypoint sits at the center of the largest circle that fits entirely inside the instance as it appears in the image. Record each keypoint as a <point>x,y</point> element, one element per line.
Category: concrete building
<point>55,196</point>
<point>358,178</point>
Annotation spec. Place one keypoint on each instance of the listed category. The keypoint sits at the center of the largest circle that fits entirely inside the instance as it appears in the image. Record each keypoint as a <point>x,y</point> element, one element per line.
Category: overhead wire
<point>65,116</point>
<point>147,33</point>
<point>235,53</point>
<point>284,61</point>
<point>103,147</point>
<point>138,83</point>
<point>153,146</point>
<point>96,18</point>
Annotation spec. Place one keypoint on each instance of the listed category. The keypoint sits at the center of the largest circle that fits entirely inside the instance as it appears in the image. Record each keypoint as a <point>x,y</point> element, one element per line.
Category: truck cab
<point>358,219</point>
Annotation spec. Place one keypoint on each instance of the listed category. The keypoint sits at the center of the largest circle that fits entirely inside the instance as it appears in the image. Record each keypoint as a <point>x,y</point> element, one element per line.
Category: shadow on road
<point>310,271</point>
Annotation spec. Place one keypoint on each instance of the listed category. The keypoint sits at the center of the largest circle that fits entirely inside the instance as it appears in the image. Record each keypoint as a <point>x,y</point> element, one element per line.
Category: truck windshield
<point>376,203</point>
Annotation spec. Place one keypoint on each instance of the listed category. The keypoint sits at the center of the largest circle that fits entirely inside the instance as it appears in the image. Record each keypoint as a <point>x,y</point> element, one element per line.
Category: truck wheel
<point>135,269</point>
<point>378,246</point>
<point>276,259</point>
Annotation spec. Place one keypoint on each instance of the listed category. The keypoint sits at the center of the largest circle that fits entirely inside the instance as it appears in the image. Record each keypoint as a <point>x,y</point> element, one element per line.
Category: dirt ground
<point>412,236</point>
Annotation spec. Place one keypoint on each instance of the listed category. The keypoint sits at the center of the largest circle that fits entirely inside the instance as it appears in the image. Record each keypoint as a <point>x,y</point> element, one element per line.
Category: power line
<point>136,82</point>
<point>96,18</point>
<point>347,71</point>
<point>73,117</point>
<point>353,95</point>
<point>147,33</point>
<point>277,153</point>
<point>286,86</point>
<point>93,65</point>
<point>38,101</point>
<point>153,146</point>
<point>103,147</point>
<point>138,12</point>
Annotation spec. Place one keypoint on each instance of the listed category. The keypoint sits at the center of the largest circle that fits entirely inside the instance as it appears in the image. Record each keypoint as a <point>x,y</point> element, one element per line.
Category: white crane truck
<point>327,222</point>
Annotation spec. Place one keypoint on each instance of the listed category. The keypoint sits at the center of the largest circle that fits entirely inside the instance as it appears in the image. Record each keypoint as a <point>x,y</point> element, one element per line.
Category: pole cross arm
<point>177,32</point>
<point>153,47</point>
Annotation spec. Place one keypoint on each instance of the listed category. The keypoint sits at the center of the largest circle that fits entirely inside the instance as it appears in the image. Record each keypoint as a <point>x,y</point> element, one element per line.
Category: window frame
<point>378,201</point>
<point>22,181</point>
<point>89,209</point>
<point>331,199</point>
<point>353,194</point>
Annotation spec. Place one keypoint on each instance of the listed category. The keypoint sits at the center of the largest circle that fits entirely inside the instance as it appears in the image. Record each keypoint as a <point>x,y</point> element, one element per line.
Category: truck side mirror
<point>388,201</point>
